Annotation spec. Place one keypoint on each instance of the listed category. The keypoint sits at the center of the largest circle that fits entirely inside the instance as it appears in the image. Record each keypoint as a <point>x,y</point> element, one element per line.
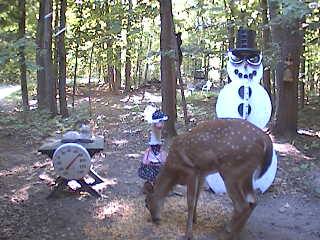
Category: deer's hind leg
<point>243,198</point>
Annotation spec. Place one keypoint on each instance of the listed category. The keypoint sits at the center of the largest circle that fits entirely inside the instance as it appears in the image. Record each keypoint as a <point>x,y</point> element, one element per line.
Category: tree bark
<point>22,60</point>
<point>76,58</point>
<point>128,52</point>
<point>62,61</point>
<point>147,60</point>
<point>118,69</point>
<point>168,73</point>
<point>51,87</point>
<point>266,45</point>
<point>289,38</point>
<point>41,81</point>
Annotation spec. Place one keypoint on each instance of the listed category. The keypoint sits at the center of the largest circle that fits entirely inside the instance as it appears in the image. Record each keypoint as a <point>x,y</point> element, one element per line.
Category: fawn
<point>235,148</point>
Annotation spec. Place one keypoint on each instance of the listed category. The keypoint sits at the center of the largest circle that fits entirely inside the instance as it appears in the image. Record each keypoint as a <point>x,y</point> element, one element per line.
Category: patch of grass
<point>39,124</point>
<point>16,96</point>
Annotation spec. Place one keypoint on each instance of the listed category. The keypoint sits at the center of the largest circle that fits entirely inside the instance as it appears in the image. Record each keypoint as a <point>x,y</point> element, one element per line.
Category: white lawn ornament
<point>245,98</point>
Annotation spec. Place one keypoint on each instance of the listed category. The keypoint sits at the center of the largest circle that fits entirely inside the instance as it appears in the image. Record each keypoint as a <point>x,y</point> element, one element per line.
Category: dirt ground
<point>289,210</point>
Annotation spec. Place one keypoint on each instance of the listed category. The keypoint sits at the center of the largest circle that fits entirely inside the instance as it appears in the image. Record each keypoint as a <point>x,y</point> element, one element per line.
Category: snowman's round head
<point>245,66</point>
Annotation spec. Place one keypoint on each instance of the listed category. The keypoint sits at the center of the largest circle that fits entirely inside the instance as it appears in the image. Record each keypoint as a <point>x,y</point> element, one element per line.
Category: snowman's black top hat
<point>245,43</point>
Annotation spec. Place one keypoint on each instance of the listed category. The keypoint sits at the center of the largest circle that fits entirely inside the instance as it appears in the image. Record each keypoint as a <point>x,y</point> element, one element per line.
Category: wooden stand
<point>93,147</point>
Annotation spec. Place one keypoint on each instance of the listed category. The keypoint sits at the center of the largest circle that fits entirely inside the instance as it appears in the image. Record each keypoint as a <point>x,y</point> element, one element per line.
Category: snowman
<point>245,98</point>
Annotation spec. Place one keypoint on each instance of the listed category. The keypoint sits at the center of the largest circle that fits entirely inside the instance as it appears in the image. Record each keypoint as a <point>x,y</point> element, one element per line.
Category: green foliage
<point>38,124</point>
<point>102,24</point>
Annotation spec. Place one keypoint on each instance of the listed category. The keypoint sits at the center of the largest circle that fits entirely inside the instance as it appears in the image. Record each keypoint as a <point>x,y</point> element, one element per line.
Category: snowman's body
<point>245,98</point>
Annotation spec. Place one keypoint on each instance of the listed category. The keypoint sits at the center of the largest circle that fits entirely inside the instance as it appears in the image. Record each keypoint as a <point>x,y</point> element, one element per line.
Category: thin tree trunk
<point>137,80</point>
<point>62,61</point>
<point>222,51</point>
<point>75,74</point>
<point>266,44</point>
<point>22,60</point>
<point>118,69</point>
<point>76,58</point>
<point>128,52</point>
<point>41,80</point>
<point>55,65</point>
<point>147,59</point>
<point>51,88</point>
<point>168,72</point>
<point>90,68</point>
<point>230,23</point>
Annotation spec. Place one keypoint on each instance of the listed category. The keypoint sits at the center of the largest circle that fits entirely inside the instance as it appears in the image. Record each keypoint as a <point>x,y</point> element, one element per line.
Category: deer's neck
<point>164,184</point>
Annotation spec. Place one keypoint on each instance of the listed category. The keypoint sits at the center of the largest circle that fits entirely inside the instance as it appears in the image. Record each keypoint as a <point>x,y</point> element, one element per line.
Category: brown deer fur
<point>235,148</point>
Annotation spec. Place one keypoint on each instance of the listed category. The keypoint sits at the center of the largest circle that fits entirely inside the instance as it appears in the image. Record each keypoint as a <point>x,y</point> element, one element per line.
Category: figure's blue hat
<point>158,116</point>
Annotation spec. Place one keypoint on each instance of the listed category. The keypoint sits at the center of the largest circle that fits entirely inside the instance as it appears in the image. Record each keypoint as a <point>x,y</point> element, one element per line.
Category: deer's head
<point>153,206</point>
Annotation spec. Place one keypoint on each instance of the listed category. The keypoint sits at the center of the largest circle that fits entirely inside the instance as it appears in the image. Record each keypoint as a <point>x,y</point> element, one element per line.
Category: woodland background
<point>102,62</point>
<point>46,46</point>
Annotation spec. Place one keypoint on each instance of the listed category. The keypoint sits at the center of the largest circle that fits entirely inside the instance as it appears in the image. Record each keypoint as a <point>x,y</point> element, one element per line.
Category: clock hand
<point>72,161</point>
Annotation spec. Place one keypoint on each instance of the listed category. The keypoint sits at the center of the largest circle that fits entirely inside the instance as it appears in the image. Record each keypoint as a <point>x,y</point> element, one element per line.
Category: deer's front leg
<point>192,194</point>
<point>200,182</point>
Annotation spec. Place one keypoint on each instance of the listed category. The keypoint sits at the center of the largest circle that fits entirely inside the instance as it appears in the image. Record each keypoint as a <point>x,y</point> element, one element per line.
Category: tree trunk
<point>168,73</point>
<point>75,72</point>
<point>230,23</point>
<point>266,45</point>
<point>55,65</point>
<point>290,39</point>
<point>118,69</point>
<point>90,72</point>
<point>22,60</point>
<point>128,52</point>
<point>222,50</point>
<point>41,81</point>
<point>51,87</point>
<point>78,33</point>
<point>62,61</point>
<point>147,61</point>
<point>137,70</point>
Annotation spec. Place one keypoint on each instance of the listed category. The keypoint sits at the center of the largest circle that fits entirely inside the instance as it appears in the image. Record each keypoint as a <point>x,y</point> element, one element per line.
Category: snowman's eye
<point>234,59</point>
<point>254,60</point>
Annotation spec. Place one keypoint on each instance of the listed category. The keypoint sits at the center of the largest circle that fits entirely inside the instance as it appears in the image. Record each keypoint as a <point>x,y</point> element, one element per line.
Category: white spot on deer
<point>244,138</point>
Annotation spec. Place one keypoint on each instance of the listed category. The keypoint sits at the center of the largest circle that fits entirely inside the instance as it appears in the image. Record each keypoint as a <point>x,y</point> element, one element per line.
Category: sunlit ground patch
<point>129,219</point>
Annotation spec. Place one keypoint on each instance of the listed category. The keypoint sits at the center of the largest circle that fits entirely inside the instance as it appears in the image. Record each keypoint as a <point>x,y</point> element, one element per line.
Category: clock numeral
<point>68,150</point>
<point>75,151</point>
<point>60,169</point>
<point>82,166</point>
<point>58,163</point>
<point>63,153</point>
<point>82,160</point>
<point>81,172</point>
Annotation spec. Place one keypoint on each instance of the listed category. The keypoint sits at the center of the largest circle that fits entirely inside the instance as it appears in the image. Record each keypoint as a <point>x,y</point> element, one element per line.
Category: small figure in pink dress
<point>154,157</point>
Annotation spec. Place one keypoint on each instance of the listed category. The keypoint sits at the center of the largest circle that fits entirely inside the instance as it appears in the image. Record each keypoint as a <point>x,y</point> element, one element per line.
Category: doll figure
<point>154,157</point>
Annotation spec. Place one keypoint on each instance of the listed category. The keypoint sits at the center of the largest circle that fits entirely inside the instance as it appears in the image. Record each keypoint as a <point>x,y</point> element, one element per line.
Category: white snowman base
<point>216,183</point>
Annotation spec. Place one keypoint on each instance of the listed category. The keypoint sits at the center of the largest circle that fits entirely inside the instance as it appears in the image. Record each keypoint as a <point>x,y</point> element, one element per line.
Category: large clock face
<point>71,161</point>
